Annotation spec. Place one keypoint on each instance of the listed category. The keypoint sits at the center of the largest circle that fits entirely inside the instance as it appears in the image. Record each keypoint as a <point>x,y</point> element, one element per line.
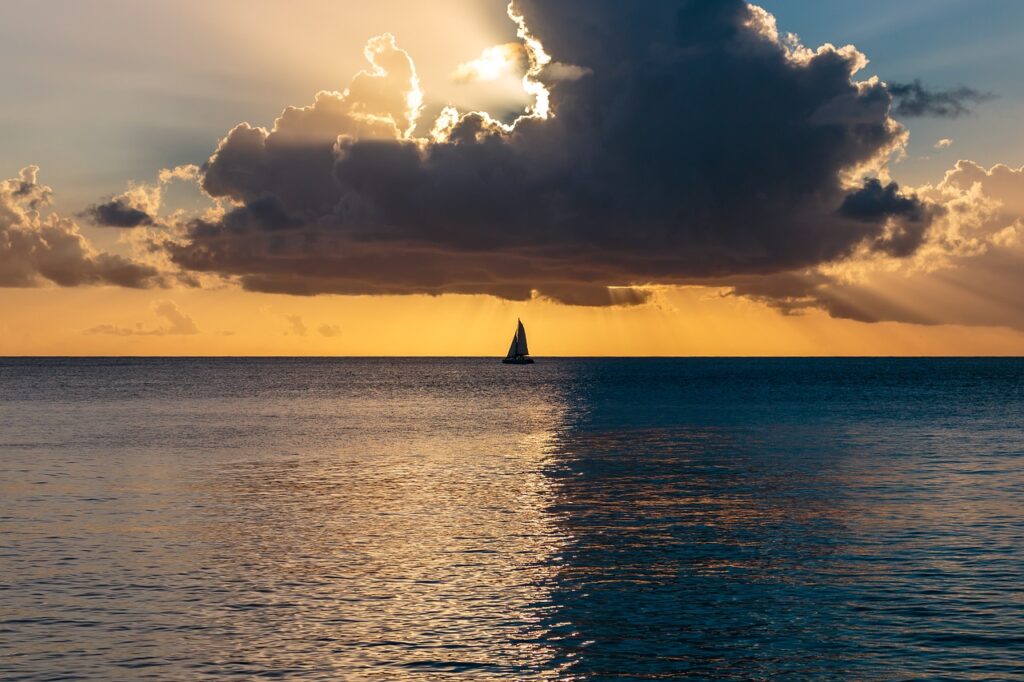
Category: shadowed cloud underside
<point>684,140</point>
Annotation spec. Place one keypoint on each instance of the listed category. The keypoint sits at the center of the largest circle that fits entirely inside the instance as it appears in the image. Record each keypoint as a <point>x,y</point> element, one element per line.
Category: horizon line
<point>498,358</point>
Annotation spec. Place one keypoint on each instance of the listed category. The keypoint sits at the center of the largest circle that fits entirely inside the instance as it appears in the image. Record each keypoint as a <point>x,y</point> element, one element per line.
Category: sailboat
<point>518,352</point>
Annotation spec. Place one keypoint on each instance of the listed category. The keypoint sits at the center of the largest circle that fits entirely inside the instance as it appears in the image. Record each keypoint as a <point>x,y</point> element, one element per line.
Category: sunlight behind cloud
<point>494,63</point>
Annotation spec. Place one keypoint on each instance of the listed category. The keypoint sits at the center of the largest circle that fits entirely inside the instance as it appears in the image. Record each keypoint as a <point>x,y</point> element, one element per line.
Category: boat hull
<point>517,361</point>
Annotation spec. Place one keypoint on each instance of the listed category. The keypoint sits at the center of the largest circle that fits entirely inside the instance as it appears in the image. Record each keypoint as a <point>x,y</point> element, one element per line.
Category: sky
<point>672,178</point>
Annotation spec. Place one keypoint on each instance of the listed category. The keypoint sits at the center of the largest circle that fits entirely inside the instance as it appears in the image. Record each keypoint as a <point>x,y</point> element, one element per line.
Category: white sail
<point>520,342</point>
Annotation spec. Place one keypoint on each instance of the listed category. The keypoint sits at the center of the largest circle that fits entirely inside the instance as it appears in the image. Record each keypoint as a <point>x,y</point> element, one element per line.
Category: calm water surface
<point>461,519</point>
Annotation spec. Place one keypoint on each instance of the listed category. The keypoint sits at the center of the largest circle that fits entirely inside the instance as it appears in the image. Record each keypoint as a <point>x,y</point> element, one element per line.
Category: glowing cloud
<point>636,163</point>
<point>38,249</point>
<point>494,63</point>
<point>967,270</point>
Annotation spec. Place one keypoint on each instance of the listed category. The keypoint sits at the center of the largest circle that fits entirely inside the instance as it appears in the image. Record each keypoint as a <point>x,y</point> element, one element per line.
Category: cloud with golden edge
<point>636,165</point>
<point>39,248</point>
<point>969,269</point>
<point>625,171</point>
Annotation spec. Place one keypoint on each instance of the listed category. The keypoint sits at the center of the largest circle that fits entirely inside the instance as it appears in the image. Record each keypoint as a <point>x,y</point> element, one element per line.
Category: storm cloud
<point>668,141</point>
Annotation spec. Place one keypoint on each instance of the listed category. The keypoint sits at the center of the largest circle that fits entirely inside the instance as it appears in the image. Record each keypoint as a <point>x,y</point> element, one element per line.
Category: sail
<point>513,350</point>
<point>521,340</point>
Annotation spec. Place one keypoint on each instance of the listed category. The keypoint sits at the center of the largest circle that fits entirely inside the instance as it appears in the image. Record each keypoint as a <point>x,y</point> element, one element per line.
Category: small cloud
<point>944,143</point>
<point>186,173</point>
<point>116,213</point>
<point>329,330</point>
<point>139,204</point>
<point>178,323</point>
<point>914,100</point>
<point>111,330</point>
<point>492,64</point>
<point>296,326</point>
<point>557,71</point>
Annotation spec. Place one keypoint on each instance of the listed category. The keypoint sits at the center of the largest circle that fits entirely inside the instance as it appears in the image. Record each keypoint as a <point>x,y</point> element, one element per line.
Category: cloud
<point>296,326</point>
<point>969,268</point>
<point>117,213</point>
<point>494,63</point>
<point>177,323</point>
<point>944,143</point>
<point>139,205</point>
<point>914,100</point>
<point>666,141</point>
<point>907,216</point>
<point>329,330</point>
<point>38,249</point>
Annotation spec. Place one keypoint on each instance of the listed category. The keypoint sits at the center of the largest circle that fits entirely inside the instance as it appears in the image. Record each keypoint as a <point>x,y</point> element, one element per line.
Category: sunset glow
<point>918,271</point>
<point>534,340</point>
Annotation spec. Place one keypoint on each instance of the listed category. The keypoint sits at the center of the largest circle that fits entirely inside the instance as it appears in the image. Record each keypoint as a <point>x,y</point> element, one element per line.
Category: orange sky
<point>229,322</point>
<point>324,50</point>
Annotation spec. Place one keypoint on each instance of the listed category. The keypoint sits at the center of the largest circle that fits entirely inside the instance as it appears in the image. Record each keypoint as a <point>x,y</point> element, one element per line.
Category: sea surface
<point>459,519</point>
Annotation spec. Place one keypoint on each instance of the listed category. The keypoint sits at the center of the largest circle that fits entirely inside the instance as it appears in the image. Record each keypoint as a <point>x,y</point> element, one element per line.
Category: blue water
<point>462,519</point>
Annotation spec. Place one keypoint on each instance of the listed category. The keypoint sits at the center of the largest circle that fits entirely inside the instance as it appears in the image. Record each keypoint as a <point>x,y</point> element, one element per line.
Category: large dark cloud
<point>914,99</point>
<point>687,141</point>
<point>36,249</point>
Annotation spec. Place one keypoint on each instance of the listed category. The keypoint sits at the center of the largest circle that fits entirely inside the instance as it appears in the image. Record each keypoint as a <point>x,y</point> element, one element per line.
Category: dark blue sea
<point>447,519</point>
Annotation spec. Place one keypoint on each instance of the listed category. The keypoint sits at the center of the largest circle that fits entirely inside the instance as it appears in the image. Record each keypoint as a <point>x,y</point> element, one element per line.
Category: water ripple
<point>577,520</point>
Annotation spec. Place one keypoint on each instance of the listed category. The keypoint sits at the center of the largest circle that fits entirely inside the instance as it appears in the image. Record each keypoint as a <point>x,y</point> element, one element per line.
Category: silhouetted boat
<point>518,352</point>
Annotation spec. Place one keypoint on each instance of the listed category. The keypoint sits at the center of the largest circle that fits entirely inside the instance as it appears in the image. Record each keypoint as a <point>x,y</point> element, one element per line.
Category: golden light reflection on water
<point>429,548</point>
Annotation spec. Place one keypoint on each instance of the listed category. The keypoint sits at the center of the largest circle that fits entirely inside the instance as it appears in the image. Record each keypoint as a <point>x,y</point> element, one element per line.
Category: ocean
<point>449,519</point>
